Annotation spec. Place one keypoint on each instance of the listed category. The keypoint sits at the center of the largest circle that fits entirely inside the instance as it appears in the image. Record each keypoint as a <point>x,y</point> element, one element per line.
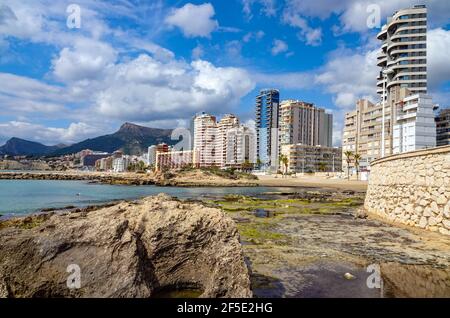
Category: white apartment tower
<point>226,123</point>
<point>405,111</point>
<point>404,51</point>
<point>240,146</point>
<point>415,127</point>
<point>205,139</point>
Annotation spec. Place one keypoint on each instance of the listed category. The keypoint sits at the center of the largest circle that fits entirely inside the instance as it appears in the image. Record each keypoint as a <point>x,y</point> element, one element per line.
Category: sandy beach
<point>313,181</point>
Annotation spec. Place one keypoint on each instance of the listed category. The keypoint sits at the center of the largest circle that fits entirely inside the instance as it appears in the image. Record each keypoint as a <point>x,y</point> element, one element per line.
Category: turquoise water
<point>20,197</point>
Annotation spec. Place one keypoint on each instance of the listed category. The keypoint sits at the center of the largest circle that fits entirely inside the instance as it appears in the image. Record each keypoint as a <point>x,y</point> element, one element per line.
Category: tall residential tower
<point>267,127</point>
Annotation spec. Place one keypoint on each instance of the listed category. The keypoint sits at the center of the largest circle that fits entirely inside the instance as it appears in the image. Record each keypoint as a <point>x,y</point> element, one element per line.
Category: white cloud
<point>48,135</point>
<point>340,77</point>
<point>267,7</point>
<point>194,20</point>
<point>258,35</point>
<point>279,46</point>
<point>352,14</point>
<point>147,89</point>
<point>197,52</point>
<point>87,60</point>
<point>438,44</point>
<point>312,36</point>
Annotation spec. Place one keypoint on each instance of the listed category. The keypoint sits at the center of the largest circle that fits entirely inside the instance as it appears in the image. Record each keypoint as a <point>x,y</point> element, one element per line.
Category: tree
<point>357,158</point>
<point>322,166</point>
<point>247,166</point>
<point>258,163</point>
<point>285,161</point>
<point>348,157</point>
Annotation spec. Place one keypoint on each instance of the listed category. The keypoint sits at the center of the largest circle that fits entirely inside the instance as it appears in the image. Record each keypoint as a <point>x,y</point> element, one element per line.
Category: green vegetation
<point>259,232</point>
<point>262,229</point>
<point>26,223</point>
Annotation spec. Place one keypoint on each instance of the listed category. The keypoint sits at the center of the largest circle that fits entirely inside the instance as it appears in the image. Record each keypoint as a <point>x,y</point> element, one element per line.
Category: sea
<point>23,197</point>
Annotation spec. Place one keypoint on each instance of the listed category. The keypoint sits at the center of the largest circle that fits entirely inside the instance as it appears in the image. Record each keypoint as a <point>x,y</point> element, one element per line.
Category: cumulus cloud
<point>147,89</point>
<point>340,77</point>
<point>193,20</point>
<point>87,60</point>
<point>278,47</point>
<point>48,135</point>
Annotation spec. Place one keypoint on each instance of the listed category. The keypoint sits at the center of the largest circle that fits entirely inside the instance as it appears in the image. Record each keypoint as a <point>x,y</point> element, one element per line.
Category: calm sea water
<point>20,197</point>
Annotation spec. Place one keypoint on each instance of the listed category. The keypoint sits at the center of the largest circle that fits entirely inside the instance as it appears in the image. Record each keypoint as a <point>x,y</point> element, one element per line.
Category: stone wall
<point>413,189</point>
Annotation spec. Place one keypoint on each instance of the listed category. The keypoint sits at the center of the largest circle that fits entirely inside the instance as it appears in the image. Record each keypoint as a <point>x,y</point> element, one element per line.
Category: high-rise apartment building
<point>404,51</point>
<point>362,133</point>
<point>226,123</point>
<point>240,146</point>
<point>405,111</point>
<point>304,123</point>
<point>205,139</point>
<point>443,127</point>
<point>267,127</point>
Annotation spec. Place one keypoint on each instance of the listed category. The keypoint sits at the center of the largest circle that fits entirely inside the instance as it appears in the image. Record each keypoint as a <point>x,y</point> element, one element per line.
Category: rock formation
<point>137,249</point>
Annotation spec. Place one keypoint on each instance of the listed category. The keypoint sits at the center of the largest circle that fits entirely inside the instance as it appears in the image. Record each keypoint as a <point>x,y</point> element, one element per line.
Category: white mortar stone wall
<point>413,189</point>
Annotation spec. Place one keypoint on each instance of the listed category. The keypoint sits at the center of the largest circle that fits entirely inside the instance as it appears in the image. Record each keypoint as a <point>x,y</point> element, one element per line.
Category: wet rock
<point>126,250</point>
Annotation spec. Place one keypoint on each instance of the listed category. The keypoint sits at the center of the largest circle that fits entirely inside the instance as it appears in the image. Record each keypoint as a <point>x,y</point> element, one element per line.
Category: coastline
<point>129,178</point>
<point>195,179</point>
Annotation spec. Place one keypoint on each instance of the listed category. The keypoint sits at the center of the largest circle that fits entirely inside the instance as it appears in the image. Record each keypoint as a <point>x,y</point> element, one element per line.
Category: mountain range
<point>130,138</point>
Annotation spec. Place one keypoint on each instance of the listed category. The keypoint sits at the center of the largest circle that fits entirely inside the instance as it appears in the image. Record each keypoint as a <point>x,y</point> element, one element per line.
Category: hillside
<point>130,138</point>
<point>21,147</point>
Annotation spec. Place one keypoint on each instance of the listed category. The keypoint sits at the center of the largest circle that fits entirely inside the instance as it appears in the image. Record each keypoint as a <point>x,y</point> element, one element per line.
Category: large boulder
<point>139,249</point>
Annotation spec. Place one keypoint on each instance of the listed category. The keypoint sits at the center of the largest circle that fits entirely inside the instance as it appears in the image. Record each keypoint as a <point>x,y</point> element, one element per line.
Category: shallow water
<point>21,197</point>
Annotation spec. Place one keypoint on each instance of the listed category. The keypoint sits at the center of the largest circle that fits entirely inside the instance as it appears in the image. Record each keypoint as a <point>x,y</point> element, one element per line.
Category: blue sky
<point>157,63</point>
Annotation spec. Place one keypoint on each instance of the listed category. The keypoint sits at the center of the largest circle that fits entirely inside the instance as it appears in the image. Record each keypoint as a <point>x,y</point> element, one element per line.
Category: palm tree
<point>357,157</point>
<point>348,155</point>
<point>258,163</point>
<point>285,161</point>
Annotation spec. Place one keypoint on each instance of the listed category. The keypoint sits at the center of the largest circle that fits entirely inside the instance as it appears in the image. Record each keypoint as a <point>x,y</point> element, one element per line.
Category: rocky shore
<point>150,248</point>
<point>193,178</point>
<point>319,244</point>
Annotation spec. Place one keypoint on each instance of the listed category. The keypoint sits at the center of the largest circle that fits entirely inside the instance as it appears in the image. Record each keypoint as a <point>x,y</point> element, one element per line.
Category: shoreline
<point>137,179</point>
<point>127,178</point>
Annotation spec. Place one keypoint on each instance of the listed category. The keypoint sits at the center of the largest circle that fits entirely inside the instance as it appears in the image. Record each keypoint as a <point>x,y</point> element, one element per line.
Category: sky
<point>71,70</point>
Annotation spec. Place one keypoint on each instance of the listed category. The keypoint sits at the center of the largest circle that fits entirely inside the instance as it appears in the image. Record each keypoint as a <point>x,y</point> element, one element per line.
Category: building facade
<point>267,128</point>
<point>414,127</point>
<point>443,127</point>
<point>177,159</point>
<point>362,134</point>
<point>304,123</point>
<point>240,147</point>
<point>205,139</point>
<point>226,123</point>
<point>405,111</point>
<point>307,159</point>
<point>403,50</point>
<point>151,156</point>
